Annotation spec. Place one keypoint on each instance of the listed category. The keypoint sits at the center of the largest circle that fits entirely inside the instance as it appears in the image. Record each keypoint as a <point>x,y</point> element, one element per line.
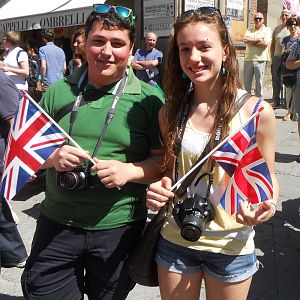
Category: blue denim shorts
<point>227,268</point>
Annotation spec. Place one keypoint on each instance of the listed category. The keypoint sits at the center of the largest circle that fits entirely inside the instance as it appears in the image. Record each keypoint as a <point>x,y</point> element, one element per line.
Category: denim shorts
<point>183,260</point>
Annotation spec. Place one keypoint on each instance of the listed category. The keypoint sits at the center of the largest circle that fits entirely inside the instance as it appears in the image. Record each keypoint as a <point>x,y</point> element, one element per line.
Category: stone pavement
<point>277,241</point>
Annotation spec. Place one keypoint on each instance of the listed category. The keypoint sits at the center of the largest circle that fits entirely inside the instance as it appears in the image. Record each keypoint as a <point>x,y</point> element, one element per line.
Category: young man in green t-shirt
<point>87,228</point>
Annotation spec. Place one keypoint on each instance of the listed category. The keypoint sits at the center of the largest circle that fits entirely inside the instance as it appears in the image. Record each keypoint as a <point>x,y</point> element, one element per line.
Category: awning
<point>21,15</point>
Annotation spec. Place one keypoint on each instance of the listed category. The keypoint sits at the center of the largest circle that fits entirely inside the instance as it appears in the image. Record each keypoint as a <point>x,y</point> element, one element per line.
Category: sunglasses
<point>121,11</point>
<point>204,10</point>
<point>258,19</point>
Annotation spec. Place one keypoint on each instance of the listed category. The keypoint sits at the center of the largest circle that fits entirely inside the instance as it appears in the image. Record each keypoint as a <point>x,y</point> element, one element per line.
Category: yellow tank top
<point>223,234</point>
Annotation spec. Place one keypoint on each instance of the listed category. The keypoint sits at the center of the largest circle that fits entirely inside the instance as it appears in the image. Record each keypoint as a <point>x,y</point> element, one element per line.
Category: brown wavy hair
<point>177,87</point>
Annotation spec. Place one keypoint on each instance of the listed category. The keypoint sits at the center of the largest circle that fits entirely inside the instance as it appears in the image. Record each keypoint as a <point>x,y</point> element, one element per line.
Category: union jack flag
<point>32,139</point>
<point>241,159</point>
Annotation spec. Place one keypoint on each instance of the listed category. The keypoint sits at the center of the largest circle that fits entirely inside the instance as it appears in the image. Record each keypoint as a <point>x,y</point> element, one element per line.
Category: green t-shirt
<point>132,133</point>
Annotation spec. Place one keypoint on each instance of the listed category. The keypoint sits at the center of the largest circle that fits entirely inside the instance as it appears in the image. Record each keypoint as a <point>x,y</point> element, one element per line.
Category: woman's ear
<point>225,53</point>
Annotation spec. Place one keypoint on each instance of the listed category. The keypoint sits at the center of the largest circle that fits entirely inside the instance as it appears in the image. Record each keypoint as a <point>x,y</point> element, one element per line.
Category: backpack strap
<point>18,55</point>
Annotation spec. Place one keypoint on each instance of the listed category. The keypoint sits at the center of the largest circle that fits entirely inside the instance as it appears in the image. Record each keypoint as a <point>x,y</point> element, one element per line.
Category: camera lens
<point>69,180</point>
<point>192,228</point>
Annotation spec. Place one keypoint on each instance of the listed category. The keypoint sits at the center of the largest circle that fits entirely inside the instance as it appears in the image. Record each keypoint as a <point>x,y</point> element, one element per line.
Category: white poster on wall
<point>235,9</point>
<point>194,4</point>
<point>159,16</point>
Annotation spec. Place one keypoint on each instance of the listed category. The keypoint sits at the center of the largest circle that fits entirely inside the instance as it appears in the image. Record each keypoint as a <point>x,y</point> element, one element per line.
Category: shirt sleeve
<point>136,55</point>
<point>42,54</point>
<point>268,35</point>
<point>23,56</point>
<point>295,50</point>
<point>9,99</point>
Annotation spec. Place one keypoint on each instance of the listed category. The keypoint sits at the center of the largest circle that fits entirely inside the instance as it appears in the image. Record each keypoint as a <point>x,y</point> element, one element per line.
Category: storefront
<point>30,17</point>
<point>20,15</point>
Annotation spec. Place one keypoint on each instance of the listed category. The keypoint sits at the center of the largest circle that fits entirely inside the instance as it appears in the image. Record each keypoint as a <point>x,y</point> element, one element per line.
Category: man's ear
<point>131,50</point>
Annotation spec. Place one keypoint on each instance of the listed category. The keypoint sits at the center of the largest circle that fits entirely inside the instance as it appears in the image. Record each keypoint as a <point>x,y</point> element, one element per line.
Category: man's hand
<point>112,173</point>
<point>67,158</point>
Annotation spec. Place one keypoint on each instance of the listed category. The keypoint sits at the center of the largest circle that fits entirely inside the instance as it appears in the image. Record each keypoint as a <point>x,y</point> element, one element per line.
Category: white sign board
<point>235,4</point>
<point>194,4</point>
<point>159,16</point>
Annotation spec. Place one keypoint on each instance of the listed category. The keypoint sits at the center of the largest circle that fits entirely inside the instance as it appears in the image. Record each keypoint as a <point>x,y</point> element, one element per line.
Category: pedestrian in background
<point>12,249</point>
<point>53,60</point>
<point>276,50</point>
<point>287,44</point>
<point>257,42</point>
<point>147,62</point>
<point>15,63</point>
<point>85,232</point>
<point>202,86</point>
<point>293,63</point>
<point>34,77</point>
<point>78,46</point>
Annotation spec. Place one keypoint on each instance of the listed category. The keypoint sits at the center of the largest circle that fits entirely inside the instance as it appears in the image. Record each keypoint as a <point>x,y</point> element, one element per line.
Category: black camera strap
<point>181,190</point>
<point>110,114</point>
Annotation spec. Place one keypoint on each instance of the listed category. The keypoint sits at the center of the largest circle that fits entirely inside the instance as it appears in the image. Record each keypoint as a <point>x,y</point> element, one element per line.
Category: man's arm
<point>43,69</point>
<point>113,173</point>
<point>272,47</point>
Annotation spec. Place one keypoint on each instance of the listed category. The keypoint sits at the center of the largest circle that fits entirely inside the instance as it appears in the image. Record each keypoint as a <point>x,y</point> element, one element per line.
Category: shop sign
<point>194,4</point>
<point>53,20</point>
<point>159,16</point>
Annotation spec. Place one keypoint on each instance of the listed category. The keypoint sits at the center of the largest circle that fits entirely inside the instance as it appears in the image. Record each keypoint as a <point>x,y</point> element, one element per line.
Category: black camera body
<point>191,214</point>
<point>78,178</point>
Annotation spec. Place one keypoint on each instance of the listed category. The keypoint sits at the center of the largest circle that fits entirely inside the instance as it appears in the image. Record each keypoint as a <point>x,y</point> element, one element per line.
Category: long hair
<point>177,86</point>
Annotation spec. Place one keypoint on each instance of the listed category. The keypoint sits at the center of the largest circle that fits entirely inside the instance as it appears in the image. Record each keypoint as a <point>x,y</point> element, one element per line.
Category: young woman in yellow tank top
<point>202,70</point>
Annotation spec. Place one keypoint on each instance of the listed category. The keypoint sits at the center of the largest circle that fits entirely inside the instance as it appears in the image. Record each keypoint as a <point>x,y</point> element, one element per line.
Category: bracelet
<point>273,208</point>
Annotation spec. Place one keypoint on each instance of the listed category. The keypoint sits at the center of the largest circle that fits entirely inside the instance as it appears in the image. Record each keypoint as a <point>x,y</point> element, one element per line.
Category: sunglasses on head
<point>204,10</point>
<point>121,11</point>
<point>258,19</point>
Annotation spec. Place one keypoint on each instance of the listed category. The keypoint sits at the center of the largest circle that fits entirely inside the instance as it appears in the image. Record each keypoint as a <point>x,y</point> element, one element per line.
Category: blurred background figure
<point>34,62</point>
<point>12,249</point>
<point>276,49</point>
<point>53,60</point>
<point>146,62</point>
<point>15,63</point>
<point>257,42</point>
<point>288,42</point>
<point>78,46</point>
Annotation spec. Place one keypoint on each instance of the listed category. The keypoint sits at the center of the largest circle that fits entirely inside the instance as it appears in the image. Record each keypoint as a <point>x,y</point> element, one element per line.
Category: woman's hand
<point>251,217</point>
<point>159,193</point>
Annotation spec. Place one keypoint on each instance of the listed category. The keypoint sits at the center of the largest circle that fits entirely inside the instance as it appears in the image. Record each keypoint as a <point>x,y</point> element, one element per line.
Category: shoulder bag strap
<point>188,180</point>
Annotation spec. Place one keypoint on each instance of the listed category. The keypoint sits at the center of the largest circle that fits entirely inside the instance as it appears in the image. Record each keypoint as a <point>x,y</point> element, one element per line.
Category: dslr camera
<point>79,178</point>
<point>191,214</point>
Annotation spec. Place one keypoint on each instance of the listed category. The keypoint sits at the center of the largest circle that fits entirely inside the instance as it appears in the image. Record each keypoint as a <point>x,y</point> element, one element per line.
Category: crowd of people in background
<point>103,64</point>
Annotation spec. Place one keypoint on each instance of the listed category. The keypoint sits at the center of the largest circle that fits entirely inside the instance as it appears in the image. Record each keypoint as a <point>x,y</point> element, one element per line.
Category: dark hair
<point>110,20</point>
<point>78,32</point>
<point>291,22</point>
<point>176,87</point>
<point>31,44</point>
<point>48,34</point>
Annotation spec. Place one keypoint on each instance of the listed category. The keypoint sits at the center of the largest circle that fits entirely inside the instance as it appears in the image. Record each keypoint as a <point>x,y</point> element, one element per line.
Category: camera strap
<point>80,99</point>
<point>181,190</point>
